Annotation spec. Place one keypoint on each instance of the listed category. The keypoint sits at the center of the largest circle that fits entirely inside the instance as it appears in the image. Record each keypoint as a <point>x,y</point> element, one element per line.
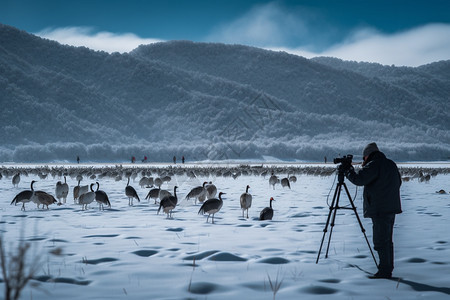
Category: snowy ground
<point>131,252</point>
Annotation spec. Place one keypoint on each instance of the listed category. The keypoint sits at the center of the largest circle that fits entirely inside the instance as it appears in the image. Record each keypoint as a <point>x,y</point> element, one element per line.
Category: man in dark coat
<point>381,180</point>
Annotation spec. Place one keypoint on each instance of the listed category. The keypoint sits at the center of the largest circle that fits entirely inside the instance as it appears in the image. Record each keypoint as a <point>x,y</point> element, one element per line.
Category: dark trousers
<point>383,227</point>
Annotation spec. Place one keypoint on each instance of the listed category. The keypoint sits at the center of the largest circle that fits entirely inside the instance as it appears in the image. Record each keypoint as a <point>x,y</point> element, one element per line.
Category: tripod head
<point>341,173</point>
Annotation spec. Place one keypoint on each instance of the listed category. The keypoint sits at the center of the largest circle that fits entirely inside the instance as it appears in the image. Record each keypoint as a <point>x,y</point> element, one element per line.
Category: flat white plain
<point>131,252</point>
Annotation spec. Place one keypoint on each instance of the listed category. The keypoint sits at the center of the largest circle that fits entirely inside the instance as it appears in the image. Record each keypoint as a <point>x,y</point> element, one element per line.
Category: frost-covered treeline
<point>211,101</point>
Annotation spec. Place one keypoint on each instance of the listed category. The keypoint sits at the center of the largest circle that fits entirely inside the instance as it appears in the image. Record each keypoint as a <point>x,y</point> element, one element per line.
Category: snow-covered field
<point>131,252</point>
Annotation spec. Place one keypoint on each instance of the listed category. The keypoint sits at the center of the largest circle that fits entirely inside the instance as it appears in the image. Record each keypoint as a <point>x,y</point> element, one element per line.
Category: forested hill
<point>212,101</point>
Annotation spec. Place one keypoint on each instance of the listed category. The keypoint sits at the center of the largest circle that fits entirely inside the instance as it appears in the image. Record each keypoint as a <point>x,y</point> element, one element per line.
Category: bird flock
<point>154,178</point>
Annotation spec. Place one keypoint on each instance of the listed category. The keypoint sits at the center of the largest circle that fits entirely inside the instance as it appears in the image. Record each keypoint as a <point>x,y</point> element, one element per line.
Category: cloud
<point>414,47</point>
<point>105,41</point>
<point>301,31</point>
<point>264,25</point>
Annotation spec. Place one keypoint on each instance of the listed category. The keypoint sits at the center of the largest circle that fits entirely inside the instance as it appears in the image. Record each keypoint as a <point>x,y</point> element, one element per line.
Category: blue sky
<point>389,32</point>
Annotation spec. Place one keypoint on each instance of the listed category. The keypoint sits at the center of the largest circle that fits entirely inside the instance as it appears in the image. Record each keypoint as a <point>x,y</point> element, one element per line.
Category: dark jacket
<point>381,180</point>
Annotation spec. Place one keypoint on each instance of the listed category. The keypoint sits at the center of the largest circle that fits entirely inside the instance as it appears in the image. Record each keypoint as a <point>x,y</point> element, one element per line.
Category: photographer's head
<point>369,149</point>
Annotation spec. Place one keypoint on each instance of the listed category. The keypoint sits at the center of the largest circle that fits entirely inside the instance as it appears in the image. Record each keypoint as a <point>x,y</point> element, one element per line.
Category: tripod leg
<point>339,188</point>
<point>360,223</point>
<point>327,223</point>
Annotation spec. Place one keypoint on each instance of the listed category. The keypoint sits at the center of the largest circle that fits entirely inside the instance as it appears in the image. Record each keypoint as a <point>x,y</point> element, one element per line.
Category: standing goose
<point>131,193</point>
<point>86,198</point>
<point>16,180</point>
<point>151,182</point>
<point>45,199</point>
<point>211,206</point>
<point>61,191</point>
<point>24,197</point>
<point>211,190</point>
<point>65,189</point>
<point>58,192</point>
<point>168,203</point>
<point>76,191</point>
<point>166,178</point>
<point>285,182</point>
<point>267,213</point>
<point>83,189</point>
<point>41,197</point>
<point>101,197</point>
<point>158,182</point>
<point>246,201</point>
<point>199,192</point>
<point>292,178</point>
<point>145,181</point>
<point>273,180</point>
<point>42,175</point>
<point>33,197</point>
<point>153,194</point>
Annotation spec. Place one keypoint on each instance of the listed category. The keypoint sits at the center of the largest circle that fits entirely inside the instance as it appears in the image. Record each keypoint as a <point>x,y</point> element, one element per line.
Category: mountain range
<point>209,101</point>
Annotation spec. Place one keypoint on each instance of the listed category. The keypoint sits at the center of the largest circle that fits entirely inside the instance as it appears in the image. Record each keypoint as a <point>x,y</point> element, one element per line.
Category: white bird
<point>246,201</point>
<point>101,197</point>
<point>86,198</point>
<point>16,180</point>
<point>168,203</point>
<point>267,213</point>
<point>211,207</point>
<point>131,193</point>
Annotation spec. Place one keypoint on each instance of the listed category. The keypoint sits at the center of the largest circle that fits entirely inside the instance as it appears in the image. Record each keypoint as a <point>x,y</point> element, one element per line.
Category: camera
<point>345,160</point>
<point>345,163</point>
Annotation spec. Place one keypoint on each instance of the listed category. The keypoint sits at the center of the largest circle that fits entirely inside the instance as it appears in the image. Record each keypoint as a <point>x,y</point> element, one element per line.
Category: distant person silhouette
<point>174,160</point>
<point>182,159</point>
<point>78,159</point>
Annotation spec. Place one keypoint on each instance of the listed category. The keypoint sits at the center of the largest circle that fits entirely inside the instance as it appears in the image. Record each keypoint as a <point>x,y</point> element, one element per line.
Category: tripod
<point>333,210</point>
